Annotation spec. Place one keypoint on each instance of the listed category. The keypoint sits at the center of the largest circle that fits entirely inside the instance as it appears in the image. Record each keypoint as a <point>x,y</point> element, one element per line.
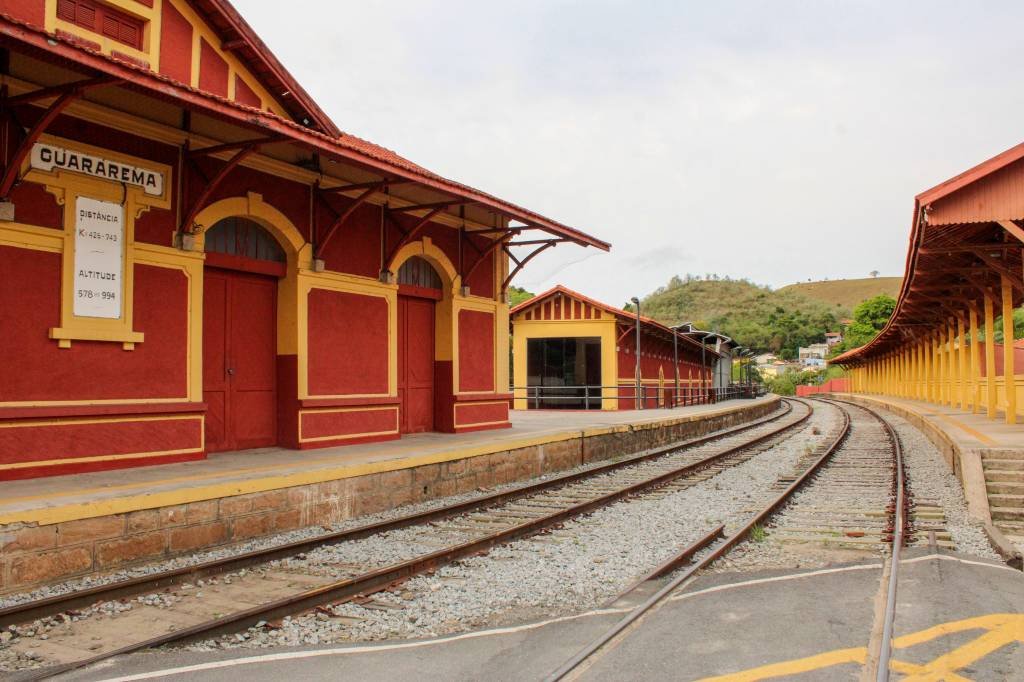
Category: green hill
<point>757,317</point>
<point>845,294</point>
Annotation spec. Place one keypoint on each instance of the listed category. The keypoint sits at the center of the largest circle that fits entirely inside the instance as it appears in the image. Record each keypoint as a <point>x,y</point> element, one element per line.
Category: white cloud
<point>771,140</point>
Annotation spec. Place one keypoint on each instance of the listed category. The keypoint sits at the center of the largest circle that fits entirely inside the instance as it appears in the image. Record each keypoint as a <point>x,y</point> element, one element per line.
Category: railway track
<point>231,595</point>
<point>862,464</point>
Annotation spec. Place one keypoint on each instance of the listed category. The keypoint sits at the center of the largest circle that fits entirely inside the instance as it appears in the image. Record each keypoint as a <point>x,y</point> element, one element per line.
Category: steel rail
<point>378,579</point>
<point>20,613</point>
<point>899,524</point>
<point>619,629</point>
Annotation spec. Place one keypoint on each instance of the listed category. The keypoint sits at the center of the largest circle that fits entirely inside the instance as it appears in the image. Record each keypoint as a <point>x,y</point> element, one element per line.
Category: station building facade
<point>572,352</point>
<point>194,258</point>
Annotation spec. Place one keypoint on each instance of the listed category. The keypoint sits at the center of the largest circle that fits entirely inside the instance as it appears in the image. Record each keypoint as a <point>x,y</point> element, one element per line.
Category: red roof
<point>344,146</point>
<point>917,234</point>
<point>225,19</point>
<point>618,312</point>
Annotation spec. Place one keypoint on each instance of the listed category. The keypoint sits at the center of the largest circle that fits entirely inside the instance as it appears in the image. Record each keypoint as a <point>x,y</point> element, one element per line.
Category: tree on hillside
<point>518,295</point>
<point>874,273</point>
<point>868,319</point>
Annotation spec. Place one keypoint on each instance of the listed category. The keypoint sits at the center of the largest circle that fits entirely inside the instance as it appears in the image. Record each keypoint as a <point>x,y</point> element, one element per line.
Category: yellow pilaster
<point>952,360</point>
<point>962,368</point>
<point>1009,384</point>
<point>929,367</point>
<point>975,371</point>
<point>940,388</point>
<point>990,358</point>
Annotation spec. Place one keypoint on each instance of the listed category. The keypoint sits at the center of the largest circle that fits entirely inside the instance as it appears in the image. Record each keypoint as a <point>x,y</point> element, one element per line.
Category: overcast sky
<point>774,140</point>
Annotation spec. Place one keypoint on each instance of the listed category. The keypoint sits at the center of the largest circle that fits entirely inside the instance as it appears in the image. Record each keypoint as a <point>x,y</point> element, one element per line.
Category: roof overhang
<point>369,161</point>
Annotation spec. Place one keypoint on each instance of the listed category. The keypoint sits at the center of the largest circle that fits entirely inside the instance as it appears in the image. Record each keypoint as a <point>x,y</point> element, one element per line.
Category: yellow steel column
<point>1009,385</point>
<point>951,359</point>
<point>929,367</point>
<point>975,376</point>
<point>922,349</point>
<point>962,365</point>
<point>905,361</point>
<point>941,359</point>
<point>990,357</point>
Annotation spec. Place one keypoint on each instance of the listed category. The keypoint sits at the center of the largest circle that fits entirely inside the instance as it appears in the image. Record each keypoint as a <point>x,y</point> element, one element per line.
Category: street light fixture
<point>639,402</point>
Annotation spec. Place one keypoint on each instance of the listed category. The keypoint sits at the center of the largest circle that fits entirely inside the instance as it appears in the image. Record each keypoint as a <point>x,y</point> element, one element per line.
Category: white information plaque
<point>99,258</point>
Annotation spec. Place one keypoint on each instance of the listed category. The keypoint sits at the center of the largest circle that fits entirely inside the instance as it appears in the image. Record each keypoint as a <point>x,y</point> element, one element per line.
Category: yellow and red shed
<point>572,352</point>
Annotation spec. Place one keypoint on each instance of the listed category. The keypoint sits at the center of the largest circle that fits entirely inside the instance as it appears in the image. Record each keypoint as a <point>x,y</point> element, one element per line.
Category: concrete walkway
<point>969,430</point>
<point>59,498</point>
<point>749,626</point>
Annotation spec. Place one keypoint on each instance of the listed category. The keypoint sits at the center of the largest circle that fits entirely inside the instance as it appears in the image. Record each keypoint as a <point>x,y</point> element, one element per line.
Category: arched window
<point>243,237</point>
<point>418,272</point>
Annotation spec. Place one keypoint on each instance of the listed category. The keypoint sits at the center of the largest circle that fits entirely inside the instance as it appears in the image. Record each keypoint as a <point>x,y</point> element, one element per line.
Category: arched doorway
<point>243,264</point>
<point>419,289</point>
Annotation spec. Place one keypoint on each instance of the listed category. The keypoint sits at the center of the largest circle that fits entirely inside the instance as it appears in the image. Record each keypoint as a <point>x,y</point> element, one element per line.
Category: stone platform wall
<point>32,555</point>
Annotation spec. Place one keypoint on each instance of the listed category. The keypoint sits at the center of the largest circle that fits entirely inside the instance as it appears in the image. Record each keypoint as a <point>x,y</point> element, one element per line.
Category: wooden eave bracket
<point>188,225</point>
<point>65,94</point>
<point>520,264</point>
<point>340,220</point>
<point>409,236</point>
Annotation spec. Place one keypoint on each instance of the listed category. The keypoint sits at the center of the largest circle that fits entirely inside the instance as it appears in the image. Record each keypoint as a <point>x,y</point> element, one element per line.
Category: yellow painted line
<point>385,461</point>
<point>952,420</point>
<point>974,432</point>
<point>795,667</point>
<point>998,630</point>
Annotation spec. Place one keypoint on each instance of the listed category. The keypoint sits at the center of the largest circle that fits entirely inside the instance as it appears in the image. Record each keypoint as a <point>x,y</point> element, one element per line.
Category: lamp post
<point>675,357</point>
<point>639,401</point>
<point>703,370</point>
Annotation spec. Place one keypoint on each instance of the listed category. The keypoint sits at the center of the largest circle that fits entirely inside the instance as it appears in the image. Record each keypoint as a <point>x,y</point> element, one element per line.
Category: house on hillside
<point>813,355</point>
<point>833,338</point>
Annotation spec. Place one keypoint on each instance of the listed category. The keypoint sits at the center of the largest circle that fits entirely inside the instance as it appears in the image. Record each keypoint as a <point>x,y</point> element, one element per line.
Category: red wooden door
<point>239,360</point>
<point>416,363</point>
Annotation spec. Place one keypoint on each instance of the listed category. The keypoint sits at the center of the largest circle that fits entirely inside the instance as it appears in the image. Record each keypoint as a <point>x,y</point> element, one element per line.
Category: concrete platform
<point>956,615</point>
<point>65,526</point>
<point>986,455</point>
<point>966,429</point>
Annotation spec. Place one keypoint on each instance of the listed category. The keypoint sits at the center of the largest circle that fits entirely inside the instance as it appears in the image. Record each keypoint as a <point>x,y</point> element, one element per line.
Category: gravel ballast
<point>580,566</point>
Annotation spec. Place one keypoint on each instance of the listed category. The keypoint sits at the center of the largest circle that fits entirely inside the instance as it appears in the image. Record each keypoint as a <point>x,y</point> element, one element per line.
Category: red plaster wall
<point>470,414</point>
<point>73,438</point>
<point>30,11</point>
<point>350,422</point>
<point>245,95</point>
<point>213,70</point>
<point>444,396</point>
<point>175,45</point>
<point>481,282</point>
<point>355,248</point>
<point>288,401</point>
<point>33,205</point>
<point>157,368</point>
<point>348,343</point>
<point>476,351</point>
<point>288,197</point>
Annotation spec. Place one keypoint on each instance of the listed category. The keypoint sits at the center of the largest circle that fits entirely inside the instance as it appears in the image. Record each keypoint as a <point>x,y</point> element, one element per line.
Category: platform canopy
<point>966,242</point>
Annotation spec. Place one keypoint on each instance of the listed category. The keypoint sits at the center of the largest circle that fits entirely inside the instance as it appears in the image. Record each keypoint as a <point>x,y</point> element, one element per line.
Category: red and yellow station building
<point>194,258</point>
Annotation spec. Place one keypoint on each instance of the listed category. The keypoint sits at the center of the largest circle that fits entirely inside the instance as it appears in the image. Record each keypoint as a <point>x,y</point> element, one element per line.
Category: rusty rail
<point>628,621</point>
<point>348,588</point>
<point>20,613</point>
<point>898,525</point>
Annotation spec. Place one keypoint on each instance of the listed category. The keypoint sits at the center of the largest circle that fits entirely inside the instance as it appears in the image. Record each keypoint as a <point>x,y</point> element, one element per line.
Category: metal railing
<point>651,397</point>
